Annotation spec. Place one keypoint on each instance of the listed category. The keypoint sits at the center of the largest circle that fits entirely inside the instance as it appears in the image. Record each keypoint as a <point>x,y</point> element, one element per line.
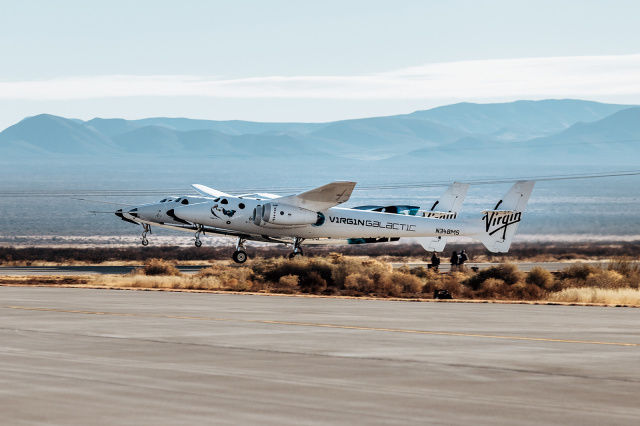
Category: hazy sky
<point>308,61</point>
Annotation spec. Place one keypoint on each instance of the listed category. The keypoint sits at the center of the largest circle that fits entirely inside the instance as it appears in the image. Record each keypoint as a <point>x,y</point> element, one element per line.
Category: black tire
<point>239,256</point>
<point>293,254</point>
<point>198,243</point>
<point>145,242</point>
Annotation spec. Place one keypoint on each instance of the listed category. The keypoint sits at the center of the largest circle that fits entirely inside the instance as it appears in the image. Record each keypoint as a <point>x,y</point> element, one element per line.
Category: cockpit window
<point>163,200</point>
<point>224,201</point>
<point>178,200</point>
<point>216,200</point>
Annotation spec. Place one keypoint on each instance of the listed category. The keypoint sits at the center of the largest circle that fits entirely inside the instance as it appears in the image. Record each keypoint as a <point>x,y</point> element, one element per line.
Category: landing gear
<point>240,255</point>
<point>297,251</point>
<point>147,230</point>
<point>198,242</point>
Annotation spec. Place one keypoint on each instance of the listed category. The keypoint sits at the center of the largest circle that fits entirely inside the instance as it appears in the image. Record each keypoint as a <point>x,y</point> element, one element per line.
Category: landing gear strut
<point>198,242</point>
<point>147,230</point>
<point>240,255</point>
<point>297,251</point>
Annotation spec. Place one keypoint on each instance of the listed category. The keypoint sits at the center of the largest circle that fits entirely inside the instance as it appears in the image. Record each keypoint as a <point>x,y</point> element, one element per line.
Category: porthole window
<point>281,213</point>
<point>241,206</point>
<point>224,201</point>
<point>185,201</point>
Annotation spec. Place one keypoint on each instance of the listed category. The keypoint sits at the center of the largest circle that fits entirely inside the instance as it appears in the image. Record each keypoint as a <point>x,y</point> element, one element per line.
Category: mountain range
<point>582,130</point>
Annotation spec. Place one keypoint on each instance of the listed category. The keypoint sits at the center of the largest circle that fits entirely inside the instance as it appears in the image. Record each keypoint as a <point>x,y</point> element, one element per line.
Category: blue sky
<point>308,61</point>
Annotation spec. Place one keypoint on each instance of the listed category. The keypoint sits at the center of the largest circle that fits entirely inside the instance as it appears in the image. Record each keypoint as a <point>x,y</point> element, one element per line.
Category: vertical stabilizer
<point>447,207</point>
<point>499,225</point>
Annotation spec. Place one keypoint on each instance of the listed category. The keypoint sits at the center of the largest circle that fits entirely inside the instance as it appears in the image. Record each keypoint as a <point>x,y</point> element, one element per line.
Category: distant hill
<point>518,120</point>
<point>478,132</point>
<point>52,134</point>
<point>613,139</point>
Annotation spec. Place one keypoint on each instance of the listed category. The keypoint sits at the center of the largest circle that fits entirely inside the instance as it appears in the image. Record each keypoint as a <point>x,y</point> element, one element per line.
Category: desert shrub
<point>358,283</point>
<point>577,272</point>
<point>226,278</point>
<point>493,288</point>
<point>314,273</point>
<point>624,266</point>
<point>507,272</point>
<point>409,283</point>
<point>605,279</point>
<point>343,267</point>
<point>313,283</point>
<point>524,291</point>
<point>289,281</point>
<point>540,277</point>
<point>388,284</point>
<point>629,269</point>
<point>159,267</point>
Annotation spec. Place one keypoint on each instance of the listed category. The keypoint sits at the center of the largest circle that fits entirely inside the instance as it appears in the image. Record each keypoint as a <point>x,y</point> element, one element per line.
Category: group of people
<point>457,260</point>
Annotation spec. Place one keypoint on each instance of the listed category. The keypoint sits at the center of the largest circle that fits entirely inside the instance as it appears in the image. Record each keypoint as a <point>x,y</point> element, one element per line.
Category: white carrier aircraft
<point>313,215</point>
<point>162,214</point>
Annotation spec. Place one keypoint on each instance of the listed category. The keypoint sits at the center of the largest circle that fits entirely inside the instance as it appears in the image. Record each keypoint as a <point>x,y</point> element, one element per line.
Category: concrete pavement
<point>80,356</point>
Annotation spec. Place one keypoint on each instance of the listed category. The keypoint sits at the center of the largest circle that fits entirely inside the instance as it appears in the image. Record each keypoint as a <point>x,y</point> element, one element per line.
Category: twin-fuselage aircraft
<point>314,215</point>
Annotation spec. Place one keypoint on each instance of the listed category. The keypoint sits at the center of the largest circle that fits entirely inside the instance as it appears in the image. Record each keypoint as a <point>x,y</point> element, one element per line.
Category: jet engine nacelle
<point>283,214</point>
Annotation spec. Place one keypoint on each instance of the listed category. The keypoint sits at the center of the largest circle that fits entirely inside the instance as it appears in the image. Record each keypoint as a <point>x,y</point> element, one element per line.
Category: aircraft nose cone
<point>133,212</point>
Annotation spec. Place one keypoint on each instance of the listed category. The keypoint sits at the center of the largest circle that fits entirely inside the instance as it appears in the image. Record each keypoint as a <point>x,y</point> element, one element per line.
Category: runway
<point>192,269</point>
<point>79,356</point>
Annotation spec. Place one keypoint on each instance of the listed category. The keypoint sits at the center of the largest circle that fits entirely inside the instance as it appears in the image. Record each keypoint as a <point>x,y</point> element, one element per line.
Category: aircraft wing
<point>321,198</point>
<point>209,192</point>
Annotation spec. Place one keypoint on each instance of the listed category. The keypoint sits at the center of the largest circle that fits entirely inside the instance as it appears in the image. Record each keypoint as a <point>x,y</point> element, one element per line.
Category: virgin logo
<point>500,221</point>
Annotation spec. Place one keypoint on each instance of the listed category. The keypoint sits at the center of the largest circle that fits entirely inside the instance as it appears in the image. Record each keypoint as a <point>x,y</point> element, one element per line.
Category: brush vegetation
<point>618,282</point>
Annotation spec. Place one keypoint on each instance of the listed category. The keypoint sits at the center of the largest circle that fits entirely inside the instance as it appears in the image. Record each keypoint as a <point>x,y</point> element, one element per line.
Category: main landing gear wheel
<point>144,241</point>
<point>198,243</point>
<point>292,255</point>
<point>239,256</point>
<point>297,251</point>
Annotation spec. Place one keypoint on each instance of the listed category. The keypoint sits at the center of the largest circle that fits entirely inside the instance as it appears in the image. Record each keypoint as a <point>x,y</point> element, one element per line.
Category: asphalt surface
<point>80,356</point>
<point>192,269</point>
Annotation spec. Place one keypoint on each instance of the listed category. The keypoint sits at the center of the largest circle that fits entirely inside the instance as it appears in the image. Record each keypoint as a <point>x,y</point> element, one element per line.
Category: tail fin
<point>446,207</point>
<point>500,224</point>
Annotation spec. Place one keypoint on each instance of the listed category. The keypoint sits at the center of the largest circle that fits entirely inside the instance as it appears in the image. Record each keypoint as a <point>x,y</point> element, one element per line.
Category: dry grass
<point>616,283</point>
<point>620,296</point>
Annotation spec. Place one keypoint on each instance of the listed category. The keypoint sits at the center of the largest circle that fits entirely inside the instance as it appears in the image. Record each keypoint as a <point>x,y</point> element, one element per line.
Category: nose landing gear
<point>240,255</point>
<point>198,242</point>
<point>297,251</point>
<point>147,229</point>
